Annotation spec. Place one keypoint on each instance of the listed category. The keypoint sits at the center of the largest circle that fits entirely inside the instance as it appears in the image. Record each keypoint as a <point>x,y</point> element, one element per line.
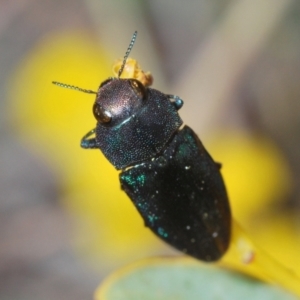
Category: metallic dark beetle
<point>171,179</point>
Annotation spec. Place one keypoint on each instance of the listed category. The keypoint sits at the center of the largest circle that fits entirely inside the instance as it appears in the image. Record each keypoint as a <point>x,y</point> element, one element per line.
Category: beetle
<point>164,169</point>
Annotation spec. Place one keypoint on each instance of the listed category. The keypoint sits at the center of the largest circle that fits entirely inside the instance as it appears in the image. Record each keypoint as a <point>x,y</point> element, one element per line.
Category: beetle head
<point>118,100</point>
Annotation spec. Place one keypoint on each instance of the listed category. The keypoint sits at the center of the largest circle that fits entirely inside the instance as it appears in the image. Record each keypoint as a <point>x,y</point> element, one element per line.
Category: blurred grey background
<point>241,56</point>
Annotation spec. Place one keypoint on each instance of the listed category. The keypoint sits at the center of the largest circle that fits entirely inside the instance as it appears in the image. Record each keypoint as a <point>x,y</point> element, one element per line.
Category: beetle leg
<point>219,165</point>
<point>177,102</point>
<point>87,143</point>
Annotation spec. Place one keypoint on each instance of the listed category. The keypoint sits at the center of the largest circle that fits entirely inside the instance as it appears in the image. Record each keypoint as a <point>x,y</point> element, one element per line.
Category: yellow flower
<point>51,121</point>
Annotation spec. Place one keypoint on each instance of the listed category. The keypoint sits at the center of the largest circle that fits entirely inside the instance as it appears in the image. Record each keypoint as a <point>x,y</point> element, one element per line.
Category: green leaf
<point>184,279</point>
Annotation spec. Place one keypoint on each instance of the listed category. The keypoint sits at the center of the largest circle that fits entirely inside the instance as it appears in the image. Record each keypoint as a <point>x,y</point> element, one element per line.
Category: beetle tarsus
<point>87,143</point>
<point>219,165</point>
<point>177,101</point>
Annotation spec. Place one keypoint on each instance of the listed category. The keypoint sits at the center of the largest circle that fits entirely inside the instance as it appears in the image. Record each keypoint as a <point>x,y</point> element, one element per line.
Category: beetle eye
<point>100,115</point>
<point>138,88</point>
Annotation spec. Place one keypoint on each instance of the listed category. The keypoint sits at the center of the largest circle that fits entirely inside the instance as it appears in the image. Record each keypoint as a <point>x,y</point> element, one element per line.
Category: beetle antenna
<point>127,53</point>
<point>72,87</point>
